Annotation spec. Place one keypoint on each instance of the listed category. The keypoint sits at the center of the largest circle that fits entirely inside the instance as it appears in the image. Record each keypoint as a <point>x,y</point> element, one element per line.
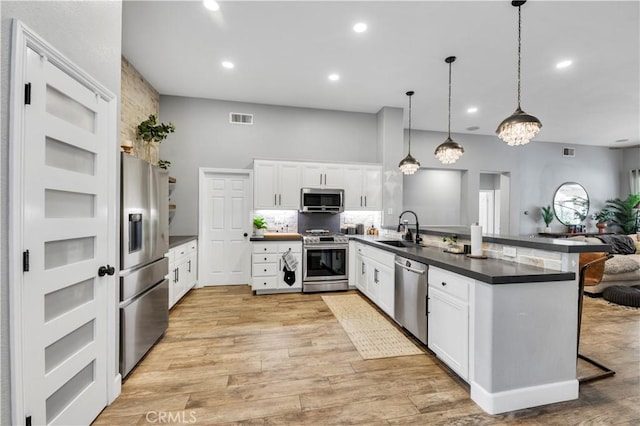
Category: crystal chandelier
<point>449,151</point>
<point>519,128</point>
<point>409,165</point>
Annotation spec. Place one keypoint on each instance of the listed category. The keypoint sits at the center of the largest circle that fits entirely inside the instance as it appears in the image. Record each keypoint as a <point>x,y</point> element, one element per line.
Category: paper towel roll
<point>476,240</point>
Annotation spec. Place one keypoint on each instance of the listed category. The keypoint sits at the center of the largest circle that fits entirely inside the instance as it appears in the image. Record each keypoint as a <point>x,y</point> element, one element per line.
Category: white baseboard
<point>502,402</point>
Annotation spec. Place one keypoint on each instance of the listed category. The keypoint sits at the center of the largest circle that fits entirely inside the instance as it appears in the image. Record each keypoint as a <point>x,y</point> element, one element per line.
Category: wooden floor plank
<point>230,357</point>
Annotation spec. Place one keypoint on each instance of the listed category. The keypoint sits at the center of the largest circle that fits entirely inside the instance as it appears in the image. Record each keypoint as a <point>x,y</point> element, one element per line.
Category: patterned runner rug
<point>371,333</point>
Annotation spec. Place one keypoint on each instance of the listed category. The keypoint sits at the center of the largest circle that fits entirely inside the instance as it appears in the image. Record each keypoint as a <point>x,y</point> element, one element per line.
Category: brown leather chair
<point>591,271</point>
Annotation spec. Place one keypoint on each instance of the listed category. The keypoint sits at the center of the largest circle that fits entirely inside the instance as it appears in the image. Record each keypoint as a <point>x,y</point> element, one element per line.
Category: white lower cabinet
<point>183,270</point>
<point>448,322</point>
<point>267,275</point>
<point>375,276</point>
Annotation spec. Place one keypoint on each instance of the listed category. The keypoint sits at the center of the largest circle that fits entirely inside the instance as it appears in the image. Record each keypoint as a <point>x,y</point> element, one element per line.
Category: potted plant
<point>451,242</point>
<point>624,213</point>
<point>259,226</point>
<point>150,133</point>
<point>547,216</point>
<point>602,218</point>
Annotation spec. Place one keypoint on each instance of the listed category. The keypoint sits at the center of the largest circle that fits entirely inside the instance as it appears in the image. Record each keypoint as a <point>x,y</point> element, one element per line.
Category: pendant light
<point>520,127</point>
<point>449,151</point>
<point>409,165</point>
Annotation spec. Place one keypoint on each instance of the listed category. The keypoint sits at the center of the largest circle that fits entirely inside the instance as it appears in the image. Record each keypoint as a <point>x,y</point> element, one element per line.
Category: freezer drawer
<point>139,280</point>
<point>142,323</point>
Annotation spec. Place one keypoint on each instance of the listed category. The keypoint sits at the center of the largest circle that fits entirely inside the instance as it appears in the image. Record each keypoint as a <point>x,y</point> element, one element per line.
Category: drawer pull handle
<point>443,283</point>
<point>265,258</point>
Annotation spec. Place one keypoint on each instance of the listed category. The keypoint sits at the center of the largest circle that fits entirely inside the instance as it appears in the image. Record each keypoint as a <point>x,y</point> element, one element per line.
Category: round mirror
<point>571,203</point>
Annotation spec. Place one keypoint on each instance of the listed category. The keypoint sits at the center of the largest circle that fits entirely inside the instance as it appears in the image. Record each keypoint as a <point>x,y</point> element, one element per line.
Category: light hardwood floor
<point>229,357</point>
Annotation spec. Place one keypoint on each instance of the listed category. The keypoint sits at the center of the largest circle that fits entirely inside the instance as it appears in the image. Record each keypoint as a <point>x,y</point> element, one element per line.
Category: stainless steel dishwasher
<point>411,296</point>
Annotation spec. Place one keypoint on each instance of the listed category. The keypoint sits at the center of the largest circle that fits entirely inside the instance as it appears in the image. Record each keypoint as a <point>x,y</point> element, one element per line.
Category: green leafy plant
<point>150,131</point>
<point>547,215</point>
<point>450,239</point>
<point>164,164</point>
<point>624,213</point>
<point>259,222</point>
<point>603,216</point>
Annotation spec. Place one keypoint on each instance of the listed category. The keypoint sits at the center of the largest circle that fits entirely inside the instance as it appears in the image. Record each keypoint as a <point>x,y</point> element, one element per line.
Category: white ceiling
<point>284,51</point>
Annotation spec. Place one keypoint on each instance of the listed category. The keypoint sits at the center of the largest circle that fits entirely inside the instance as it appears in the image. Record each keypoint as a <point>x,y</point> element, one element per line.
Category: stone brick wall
<point>138,100</point>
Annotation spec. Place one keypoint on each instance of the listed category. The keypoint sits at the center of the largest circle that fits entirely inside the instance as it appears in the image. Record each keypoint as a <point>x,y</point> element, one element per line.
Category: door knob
<point>245,234</point>
<point>106,270</point>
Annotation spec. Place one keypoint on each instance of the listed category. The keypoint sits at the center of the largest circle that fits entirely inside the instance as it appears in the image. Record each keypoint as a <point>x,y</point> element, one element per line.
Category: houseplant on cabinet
<point>259,226</point>
<point>151,133</point>
<point>602,218</point>
<point>547,216</point>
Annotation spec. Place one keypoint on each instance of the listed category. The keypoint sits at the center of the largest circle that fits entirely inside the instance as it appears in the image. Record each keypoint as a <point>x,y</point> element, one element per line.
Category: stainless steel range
<point>325,261</point>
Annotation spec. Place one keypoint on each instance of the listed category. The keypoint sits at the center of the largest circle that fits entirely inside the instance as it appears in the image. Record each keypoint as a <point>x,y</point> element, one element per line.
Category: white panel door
<point>224,239</point>
<point>65,221</point>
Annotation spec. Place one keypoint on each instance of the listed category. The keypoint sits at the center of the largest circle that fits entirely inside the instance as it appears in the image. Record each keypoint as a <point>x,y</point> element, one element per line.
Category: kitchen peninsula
<point>515,317</point>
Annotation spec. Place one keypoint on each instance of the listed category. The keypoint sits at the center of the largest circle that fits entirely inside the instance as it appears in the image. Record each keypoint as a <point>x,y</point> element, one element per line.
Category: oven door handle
<point>321,246</point>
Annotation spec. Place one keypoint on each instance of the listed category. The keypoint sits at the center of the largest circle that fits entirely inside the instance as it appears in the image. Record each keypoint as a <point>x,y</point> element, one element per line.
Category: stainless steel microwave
<point>316,200</point>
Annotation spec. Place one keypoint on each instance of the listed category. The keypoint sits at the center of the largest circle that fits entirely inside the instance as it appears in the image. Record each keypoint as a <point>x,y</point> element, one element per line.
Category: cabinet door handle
<point>189,266</point>
<point>279,199</point>
<point>375,276</point>
<point>177,274</point>
<point>365,201</point>
<point>325,178</point>
<point>361,201</point>
<point>426,305</point>
<point>275,199</point>
<point>320,178</point>
<point>362,268</point>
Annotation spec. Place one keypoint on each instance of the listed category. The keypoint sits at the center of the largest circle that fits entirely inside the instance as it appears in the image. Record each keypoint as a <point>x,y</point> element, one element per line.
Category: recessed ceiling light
<point>360,27</point>
<point>227,64</point>
<point>211,5</point>
<point>564,64</point>
<point>334,77</point>
<point>471,110</point>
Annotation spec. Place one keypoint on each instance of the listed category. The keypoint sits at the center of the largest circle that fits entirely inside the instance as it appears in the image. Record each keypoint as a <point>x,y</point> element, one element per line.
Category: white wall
<point>434,195</point>
<point>536,170</point>
<point>630,161</point>
<point>88,33</point>
<point>205,138</point>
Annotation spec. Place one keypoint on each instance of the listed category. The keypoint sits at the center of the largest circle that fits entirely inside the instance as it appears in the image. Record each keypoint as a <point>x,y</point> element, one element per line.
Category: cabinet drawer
<point>382,256</point>
<point>361,249</point>
<point>262,283</point>
<point>192,246</point>
<point>450,283</point>
<point>265,248</point>
<point>295,247</point>
<point>264,269</point>
<point>265,257</point>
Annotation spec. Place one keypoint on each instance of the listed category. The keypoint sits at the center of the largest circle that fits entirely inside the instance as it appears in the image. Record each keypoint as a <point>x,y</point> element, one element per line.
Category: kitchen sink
<point>397,243</point>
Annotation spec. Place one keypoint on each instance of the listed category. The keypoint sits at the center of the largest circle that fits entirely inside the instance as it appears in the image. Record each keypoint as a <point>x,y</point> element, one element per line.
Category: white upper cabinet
<point>320,175</point>
<point>276,185</point>
<point>362,187</point>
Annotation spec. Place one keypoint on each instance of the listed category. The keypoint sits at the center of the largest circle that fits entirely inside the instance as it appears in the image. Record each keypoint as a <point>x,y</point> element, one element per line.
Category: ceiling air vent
<point>568,152</point>
<point>239,118</point>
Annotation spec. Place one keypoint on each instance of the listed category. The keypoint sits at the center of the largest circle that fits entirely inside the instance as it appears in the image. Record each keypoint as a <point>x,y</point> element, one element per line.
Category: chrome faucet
<point>408,233</point>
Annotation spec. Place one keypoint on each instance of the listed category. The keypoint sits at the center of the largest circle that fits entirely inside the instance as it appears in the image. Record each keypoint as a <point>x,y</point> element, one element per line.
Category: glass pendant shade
<point>519,128</point>
<point>449,151</point>
<point>409,165</point>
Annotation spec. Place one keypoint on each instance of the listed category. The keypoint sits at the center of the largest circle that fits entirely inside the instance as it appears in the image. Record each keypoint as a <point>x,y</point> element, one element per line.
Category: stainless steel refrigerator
<point>144,240</point>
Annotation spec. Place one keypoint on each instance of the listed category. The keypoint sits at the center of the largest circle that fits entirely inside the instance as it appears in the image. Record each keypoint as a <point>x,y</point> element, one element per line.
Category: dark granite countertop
<point>491,271</point>
<point>562,245</point>
<point>176,240</point>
